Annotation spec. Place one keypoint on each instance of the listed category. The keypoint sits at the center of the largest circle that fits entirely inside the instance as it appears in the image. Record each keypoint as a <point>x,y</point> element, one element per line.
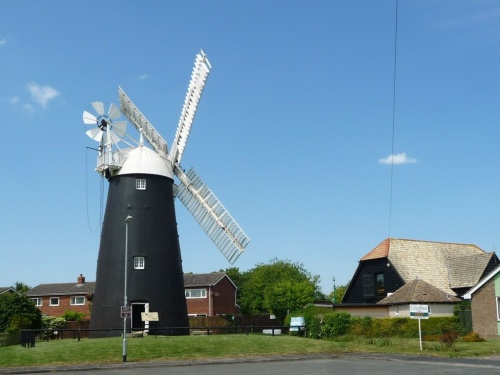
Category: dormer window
<point>140,184</point>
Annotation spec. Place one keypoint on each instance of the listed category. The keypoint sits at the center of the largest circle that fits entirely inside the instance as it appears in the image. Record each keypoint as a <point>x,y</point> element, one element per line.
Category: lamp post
<point>334,290</point>
<point>127,221</point>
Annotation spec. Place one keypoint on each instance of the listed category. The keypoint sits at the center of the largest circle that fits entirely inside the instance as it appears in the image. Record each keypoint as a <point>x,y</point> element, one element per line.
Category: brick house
<point>210,294</point>
<point>206,295</point>
<point>55,299</point>
<point>485,305</point>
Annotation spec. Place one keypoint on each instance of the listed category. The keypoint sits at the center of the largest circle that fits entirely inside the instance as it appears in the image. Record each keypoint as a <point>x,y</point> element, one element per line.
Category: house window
<point>379,278</point>
<point>368,285</point>
<point>54,301</point>
<point>37,301</point>
<point>139,263</point>
<point>140,184</point>
<point>196,293</point>
<point>77,300</point>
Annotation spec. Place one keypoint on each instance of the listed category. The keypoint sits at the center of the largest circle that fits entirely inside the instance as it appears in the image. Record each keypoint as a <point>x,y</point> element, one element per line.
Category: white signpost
<point>419,312</point>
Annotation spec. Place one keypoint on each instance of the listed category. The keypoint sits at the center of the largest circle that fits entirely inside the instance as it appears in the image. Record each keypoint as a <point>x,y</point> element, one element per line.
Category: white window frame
<point>189,293</point>
<point>139,263</point>
<point>140,184</point>
<point>54,304</point>
<point>73,301</point>
<point>37,301</point>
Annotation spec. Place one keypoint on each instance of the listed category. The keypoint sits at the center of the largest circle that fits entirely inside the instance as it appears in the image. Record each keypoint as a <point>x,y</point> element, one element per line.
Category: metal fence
<point>29,337</point>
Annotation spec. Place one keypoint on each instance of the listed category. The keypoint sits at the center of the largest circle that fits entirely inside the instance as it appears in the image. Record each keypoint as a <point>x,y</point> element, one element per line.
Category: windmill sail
<point>199,77</point>
<point>141,123</point>
<point>209,212</point>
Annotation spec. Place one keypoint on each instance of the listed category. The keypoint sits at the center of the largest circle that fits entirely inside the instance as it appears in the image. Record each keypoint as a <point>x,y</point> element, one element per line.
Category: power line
<point>393,114</point>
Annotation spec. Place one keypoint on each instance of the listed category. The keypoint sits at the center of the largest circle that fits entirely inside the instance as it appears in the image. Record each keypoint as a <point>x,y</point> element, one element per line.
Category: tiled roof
<point>190,280</point>
<point>202,279</point>
<point>381,251</point>
<point>466,271</point>
<point>4,289</point>
<point>418,291</point>
<point>443,265</point>
<point>61,289</point>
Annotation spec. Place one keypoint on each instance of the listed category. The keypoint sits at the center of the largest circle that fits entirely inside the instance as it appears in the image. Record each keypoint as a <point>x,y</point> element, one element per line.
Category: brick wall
<point>64,305</point>
<point>198,306</point>
<point>224,298</point>
<point>484,315</point>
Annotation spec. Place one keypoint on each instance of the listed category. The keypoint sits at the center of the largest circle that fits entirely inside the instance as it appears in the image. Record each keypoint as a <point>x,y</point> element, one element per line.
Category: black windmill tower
<point>140,219</point>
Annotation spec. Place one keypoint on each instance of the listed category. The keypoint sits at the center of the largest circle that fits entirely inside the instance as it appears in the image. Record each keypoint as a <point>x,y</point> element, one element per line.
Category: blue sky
<point>293,133</point>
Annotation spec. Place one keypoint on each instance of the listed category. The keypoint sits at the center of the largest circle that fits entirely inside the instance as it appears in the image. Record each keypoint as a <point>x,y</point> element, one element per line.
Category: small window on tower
<point>139,263</point>
<point>140,184</point>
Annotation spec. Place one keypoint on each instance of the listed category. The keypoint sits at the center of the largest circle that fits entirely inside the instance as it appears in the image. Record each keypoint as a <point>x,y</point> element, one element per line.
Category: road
<point>349,364</point>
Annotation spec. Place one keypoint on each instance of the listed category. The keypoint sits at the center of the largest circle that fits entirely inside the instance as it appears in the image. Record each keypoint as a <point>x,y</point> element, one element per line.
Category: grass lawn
<point>182,348</point>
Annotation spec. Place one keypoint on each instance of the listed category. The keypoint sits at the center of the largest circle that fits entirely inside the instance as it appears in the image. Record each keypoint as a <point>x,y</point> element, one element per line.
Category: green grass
<point>182,348</point>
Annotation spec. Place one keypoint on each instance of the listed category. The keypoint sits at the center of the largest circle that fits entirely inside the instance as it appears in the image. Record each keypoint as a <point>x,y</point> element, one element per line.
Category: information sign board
<point>126,312</point>
<point>419,311</point>
<point>149,316</point>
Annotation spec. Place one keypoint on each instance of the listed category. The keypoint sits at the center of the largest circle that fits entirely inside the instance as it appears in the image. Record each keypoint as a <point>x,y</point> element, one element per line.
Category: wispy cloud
<point>401,158</point>
<point>42,94</point>
<point>28,107</point>
<point>142,76</point>
<point>3,42</point>
<point>15,100</point>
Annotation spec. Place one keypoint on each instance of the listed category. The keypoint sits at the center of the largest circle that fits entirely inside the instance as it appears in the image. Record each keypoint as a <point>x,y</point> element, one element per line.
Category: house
<point>55,299</point>
<point>419,292</point>
<point>7,289</point>
<point>485,305</point>
<point>450,267</point>
<point>210,294</point>
<point>206,295</point>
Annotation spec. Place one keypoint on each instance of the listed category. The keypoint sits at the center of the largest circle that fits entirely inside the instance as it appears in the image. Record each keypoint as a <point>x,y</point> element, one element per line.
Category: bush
<point>472,337</point>
<point>335,324</point>
<point>448,340</point>
<point>73,316</point>
<point>361,326</point>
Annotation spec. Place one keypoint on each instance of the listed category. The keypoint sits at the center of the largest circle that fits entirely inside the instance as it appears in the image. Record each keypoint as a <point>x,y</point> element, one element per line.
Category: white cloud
<point>14,100</point>
<point>42,94</point>
<point>401,158</point>
<point>28,107</point>
<point>142,76</point>
<point>3,42</point>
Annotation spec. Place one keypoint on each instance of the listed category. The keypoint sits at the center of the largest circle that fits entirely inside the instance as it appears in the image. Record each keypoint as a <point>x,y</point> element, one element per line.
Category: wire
<point>87,195</point>
<point>393,115</point>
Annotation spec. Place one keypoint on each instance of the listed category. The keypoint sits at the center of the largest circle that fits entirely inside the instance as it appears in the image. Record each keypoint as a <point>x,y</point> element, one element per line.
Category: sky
<point>319,130</point>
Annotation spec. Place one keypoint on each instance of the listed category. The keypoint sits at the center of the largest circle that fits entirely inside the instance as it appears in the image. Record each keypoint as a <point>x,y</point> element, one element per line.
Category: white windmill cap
<point>142,160</point>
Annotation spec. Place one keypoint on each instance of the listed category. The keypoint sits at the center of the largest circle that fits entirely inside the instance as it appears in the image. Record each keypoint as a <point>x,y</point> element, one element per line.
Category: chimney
<point>81,280</point>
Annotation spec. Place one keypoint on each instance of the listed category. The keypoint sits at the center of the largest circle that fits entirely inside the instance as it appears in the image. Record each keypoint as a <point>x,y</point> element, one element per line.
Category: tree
<point>277,287</point>
<point>17,311</point>
<point>337,294</point>
<point>21,288</point>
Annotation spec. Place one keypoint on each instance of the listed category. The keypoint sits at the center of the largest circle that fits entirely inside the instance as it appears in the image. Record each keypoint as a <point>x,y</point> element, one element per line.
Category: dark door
<point>137,309</point>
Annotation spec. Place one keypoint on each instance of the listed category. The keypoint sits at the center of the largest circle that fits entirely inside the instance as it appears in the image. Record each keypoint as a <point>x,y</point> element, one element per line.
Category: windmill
<point>142,187</point>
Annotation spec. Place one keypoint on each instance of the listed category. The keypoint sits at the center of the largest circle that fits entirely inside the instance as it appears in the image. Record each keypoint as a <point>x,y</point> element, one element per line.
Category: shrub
<point>472,337</point>
<point>73,316</point>
<point>335,324</point>
<point>361,326</point>
<point>448,340</point>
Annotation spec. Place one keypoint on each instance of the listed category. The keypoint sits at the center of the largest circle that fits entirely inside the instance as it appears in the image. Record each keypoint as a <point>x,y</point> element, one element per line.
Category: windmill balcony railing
<point>115,159</point>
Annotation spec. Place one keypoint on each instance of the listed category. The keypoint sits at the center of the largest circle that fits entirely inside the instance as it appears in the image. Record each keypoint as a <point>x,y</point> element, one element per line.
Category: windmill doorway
<point>137,309</point>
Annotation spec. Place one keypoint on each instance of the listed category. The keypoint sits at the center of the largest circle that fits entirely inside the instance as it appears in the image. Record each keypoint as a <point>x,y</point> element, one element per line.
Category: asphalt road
<point>349,364</point>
